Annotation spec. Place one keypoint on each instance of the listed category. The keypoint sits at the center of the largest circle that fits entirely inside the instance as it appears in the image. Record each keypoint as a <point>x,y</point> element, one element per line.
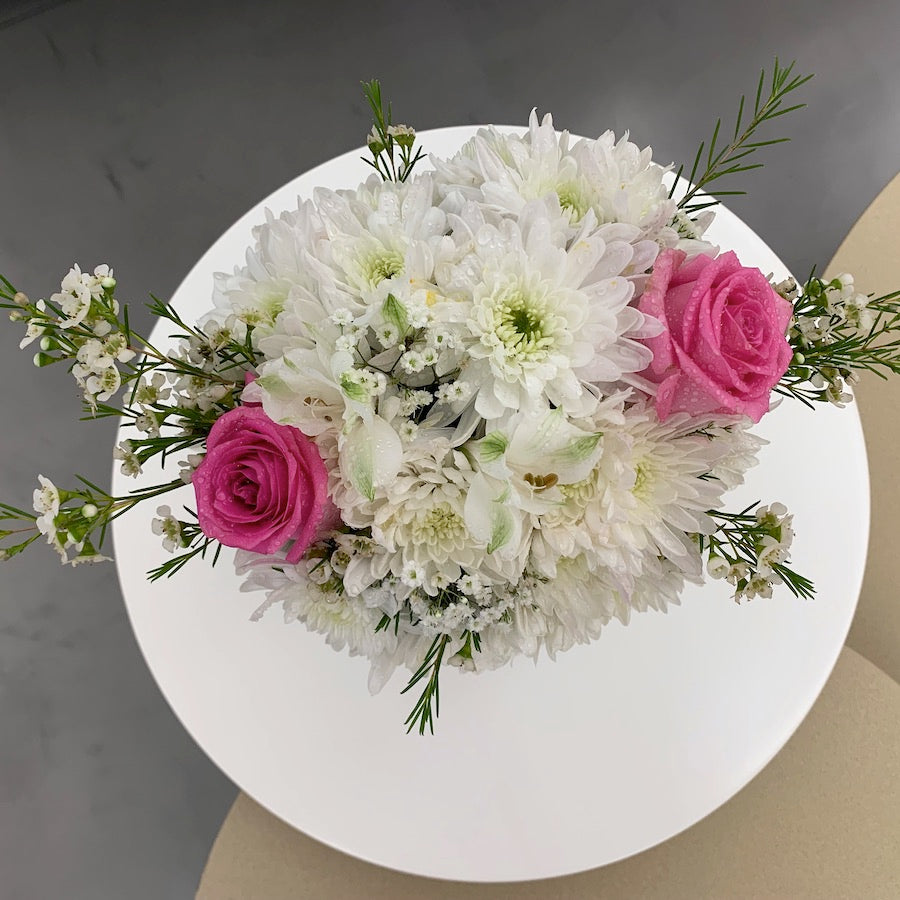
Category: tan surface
<point>822,820</point>
<point>871,252</point>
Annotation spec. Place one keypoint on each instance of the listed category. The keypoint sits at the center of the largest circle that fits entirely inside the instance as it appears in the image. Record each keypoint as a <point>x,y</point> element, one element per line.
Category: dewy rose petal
<point>724,346</point>
<point>261,485</point>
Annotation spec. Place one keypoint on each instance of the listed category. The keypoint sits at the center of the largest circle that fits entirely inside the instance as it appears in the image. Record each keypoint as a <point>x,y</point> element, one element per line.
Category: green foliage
<point>835,334</point>
<point>386,141</point>
<point>714,161</point>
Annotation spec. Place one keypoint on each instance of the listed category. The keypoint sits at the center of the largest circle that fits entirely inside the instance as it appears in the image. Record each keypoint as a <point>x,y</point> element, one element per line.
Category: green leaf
<point>352,388</point>
<point>493,446</point>
<point>394,312</point>
<point>502,527</point>
<point>722,161</point>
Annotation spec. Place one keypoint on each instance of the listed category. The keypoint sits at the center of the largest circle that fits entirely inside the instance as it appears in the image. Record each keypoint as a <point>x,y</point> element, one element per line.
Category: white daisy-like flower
<point>168,528</point>
<point>544,321</point>
<point>616,180</point>
<point>648,494</point>
<point>741,455</point>
<point>46,503</point>
<point>277,266</point>
<point>385,234</point>
<point>625,184</point>
<point>511,170</point>
<point>421,523</point>
<point>345,621</point>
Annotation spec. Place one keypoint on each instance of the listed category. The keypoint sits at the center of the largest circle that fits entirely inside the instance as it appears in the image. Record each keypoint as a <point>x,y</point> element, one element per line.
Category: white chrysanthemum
<point>383,232</point>
<point>421,528</point>
<point>657,587</point>
<point>741,454</point>
<point>551,615</point>
<point>616,180</point>
<point>625,182</point>
<point>544,320</point>
<point>345,621</point>
<point>508,171</point>
<point>276,266</point>
<point>649,492</point>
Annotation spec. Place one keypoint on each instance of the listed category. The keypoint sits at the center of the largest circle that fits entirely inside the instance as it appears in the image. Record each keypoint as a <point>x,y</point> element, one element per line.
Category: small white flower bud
<point>717,567</point>
<point>89,511</point>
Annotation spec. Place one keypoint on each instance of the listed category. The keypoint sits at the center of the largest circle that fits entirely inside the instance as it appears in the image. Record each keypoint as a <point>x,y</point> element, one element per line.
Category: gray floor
<point>135,133</point>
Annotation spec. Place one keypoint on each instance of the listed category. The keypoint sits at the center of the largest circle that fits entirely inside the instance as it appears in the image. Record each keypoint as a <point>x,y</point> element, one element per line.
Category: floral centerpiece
<point>471,413</point>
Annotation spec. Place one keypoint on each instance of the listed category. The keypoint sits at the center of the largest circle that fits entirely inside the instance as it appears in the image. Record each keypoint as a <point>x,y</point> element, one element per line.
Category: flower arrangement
<point>471,413</point>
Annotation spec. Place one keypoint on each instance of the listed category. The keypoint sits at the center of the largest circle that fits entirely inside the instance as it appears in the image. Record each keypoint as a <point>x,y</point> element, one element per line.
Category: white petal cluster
<point>64,528</point>
<point>842,312</point>
<point>464,348</point>
<point>85,312</point>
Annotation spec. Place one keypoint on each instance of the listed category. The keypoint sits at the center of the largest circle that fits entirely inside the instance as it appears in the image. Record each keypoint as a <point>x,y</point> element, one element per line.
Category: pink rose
<point>724,346</point>
<point>261,485</point>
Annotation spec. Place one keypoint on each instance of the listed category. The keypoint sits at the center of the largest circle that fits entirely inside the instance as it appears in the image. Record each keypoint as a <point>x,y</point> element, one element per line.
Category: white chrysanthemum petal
<point>371,455</point>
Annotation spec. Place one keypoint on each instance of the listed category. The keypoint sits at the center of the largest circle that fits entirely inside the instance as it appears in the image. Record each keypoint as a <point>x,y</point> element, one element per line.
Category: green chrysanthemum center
<point>644,479</point>
<point>580,493</point>
<point>572,199</point>
<point>378,266</point>
<point>523,326</point>
<point>440,525</point>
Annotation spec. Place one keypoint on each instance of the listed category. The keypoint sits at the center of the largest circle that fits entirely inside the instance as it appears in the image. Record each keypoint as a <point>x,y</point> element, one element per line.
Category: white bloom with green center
<point>384,233</point>
<point>616,180</point>
<point>525,342</point>
<point>545,321</point>
<point>625,183</point>
<point>422,520</point>
<point>278,266</point>
<point>46,504</point>
<point>647,495</point>
<point>345,621</point>
<point>166,526</point>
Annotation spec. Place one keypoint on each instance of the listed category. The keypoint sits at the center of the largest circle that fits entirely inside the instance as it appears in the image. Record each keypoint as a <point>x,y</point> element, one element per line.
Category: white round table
<point>534,770</point>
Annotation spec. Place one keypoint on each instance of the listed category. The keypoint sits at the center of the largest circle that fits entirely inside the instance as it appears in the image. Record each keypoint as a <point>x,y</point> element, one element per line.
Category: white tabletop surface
<point>534,770</point>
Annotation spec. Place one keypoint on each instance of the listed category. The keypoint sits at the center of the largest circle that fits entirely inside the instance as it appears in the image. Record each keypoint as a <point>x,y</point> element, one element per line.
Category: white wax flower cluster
<point>86,330</point>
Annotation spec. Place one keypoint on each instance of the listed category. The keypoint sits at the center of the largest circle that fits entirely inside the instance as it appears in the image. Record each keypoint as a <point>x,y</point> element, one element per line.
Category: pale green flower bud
<point>402,134</point>
<point>374,142</point>
<point>21,299</point>
<point>108,283</point>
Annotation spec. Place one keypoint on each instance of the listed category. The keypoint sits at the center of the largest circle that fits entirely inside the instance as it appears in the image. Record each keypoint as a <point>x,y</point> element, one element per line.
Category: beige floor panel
<point>871,252</point>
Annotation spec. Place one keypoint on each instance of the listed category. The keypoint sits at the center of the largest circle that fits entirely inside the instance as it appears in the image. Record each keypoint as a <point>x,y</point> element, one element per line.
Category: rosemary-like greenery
<point>714,160</point>
<point>834,336</point>
<point>740,541</point>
